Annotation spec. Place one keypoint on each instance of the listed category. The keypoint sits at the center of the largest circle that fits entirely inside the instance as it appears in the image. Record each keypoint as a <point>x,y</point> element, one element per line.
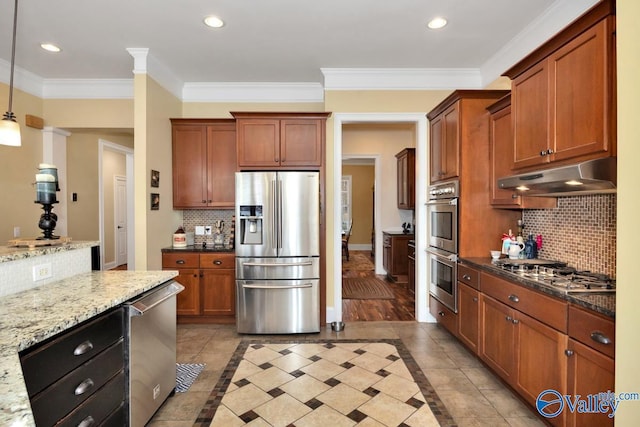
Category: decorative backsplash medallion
<point>580,231</point>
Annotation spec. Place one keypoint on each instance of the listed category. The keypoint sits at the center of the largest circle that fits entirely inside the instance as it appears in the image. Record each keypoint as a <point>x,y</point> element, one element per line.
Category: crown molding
<point>252,92</point>
<point>23,80</point>
<point>401,78</point>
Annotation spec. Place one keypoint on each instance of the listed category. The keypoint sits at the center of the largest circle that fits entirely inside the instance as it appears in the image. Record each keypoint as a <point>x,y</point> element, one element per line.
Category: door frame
<point>422,177</point>
<point>128,152</point>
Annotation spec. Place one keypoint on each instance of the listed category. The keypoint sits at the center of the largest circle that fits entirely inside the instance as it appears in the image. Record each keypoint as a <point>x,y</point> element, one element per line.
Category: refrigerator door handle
<point>274,227</point>
<point>305,285</point>
<point>279,215</point>
<point>282,264</point>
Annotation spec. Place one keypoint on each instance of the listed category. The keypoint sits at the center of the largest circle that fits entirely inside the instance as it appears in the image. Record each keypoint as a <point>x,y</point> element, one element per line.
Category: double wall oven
<point>442,253</point>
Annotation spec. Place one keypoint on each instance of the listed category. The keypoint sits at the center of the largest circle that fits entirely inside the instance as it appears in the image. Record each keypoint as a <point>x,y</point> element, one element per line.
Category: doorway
<point>120,215</point>
<point>420,122</point>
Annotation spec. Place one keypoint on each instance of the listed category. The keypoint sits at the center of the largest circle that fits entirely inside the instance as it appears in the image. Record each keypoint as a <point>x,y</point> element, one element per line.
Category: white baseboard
<point>331,315</point>
<point>109,265</point>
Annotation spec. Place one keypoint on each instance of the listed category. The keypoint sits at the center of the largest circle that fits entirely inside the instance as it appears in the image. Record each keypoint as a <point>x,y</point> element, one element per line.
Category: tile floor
<point>471,394</point>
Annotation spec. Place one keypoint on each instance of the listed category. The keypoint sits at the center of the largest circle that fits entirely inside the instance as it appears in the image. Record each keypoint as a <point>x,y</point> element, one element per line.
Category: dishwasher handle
<point>142,305</point>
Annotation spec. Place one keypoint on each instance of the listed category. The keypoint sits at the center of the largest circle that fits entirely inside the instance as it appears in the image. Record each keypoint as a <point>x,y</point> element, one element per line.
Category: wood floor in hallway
<point>400,308</point>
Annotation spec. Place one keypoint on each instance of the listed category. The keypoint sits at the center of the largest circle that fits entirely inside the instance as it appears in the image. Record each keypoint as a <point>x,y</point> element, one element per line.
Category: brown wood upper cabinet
<point>501,160</point>
<point>563,95</point>
<point>280,140</point>
<point>204,163</point>
<point>406,178</point>
<point>452,125</point>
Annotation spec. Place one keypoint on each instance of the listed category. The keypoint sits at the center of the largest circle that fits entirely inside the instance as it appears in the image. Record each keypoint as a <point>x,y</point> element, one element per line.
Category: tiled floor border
<point>435,404</point>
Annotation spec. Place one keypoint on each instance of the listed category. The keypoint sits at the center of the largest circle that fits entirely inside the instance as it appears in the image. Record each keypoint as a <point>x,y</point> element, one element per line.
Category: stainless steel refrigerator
<point>277,252</point>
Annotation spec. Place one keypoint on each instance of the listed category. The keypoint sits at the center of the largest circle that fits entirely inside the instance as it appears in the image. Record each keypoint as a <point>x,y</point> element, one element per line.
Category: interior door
<point>120,206</point>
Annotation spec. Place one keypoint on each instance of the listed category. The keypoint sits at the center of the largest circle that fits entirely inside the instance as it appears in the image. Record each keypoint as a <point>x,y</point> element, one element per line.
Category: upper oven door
<point>442,216</point>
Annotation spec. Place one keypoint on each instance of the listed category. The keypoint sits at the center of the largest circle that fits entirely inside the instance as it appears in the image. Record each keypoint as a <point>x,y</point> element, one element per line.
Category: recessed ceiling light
<point>213,21</point>
<point>50,47</point>
<point>437,22</point>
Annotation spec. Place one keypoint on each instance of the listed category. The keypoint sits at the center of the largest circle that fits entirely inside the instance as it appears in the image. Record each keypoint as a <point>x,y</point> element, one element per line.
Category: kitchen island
<point>32,316</point>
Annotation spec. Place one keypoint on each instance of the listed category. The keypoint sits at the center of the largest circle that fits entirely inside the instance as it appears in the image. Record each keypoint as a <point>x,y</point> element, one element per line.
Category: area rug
<point>365,288</point>
<point>358,261</point>
<point>186,374</point>
<point>323,382</point>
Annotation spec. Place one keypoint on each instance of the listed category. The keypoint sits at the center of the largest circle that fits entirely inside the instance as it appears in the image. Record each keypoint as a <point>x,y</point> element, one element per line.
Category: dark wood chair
<point>345,241</point>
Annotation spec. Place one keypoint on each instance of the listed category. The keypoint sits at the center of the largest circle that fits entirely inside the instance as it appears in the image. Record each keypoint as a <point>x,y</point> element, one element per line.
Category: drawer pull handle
<point>441,313</point>
<point>514,298</point>
<point>83,387</point>
<point>568,353</point>
<point>83,348</point>
<point>601,338</point>
<point>180,261</point>
<point>466,277</point>
<point>87,422</point>
<point>217,262</point>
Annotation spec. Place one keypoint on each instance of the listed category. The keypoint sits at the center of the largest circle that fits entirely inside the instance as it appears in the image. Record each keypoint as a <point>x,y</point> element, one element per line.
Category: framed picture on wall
<point>155,201</point>
<point>155,178</point>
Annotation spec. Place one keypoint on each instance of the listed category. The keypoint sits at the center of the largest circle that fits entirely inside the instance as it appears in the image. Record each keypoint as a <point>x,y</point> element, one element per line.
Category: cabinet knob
<point>568,353</point>
<point>515,321</point>
<point>601,338</point>
<point>83,348</point>
<point>508,318</point>
<point>549,151</point>
<point>180,261</point>
<point>217,262</point>
<point>514,298</point>
<point>204,201</point>
<point>514,196</point>
<point>543,153</point>
<point>83,387</point>
<point>475,299</point>
<point>441,313</point>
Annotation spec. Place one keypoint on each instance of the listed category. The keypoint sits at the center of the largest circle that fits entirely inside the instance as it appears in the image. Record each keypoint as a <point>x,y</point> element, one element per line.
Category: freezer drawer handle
<point>306,285</point>
<point>282,264</point>
<point>87,422</point>
<point>83,348</point>
<point>84,386</point>
<point>138,308</point>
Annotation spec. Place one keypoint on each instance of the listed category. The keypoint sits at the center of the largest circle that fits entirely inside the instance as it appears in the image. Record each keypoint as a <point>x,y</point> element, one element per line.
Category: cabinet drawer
<point>546,309</point>
<point>60,398</point>
<point>219,260</point>
<point>49,362</point>
<point>443,315</point>
<point>469,276</point>
<point>180,260</point>
<point>593,330</point>
<point>101,406</point>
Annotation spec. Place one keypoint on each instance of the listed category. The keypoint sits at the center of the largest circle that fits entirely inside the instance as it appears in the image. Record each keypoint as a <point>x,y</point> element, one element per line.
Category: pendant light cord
<point>13,55</point>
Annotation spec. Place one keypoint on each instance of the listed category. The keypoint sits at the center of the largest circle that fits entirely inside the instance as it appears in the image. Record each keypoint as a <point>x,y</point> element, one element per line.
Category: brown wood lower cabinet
<point>395,249</point>
<point>468,316</point>
<point>445,317</point>
<point>209,280</point>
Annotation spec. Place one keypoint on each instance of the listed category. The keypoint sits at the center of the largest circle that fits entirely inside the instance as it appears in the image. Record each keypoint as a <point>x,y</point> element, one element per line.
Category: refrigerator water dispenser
<point>251,225</point>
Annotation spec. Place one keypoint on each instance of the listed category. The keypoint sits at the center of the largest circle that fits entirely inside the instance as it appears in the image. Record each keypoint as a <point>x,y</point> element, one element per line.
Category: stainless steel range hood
<point>590,177</point>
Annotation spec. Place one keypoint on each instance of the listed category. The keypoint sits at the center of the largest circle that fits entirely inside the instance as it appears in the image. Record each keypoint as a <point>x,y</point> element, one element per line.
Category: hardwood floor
<point>400,308</point>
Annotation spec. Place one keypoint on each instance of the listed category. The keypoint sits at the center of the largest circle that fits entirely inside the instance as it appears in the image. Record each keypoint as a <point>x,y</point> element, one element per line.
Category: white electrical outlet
<point>16,231</point>
<point>199,229</point>
<point>42,271</point>
<point>207,230</point>
<point>156,392</point>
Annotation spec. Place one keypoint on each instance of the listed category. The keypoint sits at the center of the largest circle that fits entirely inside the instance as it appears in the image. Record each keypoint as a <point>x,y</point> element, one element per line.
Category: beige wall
<point>18,166</point>
<point>222,110</point>
<point>628,296</point>
<point>88,113</point>
<point>362,184</point>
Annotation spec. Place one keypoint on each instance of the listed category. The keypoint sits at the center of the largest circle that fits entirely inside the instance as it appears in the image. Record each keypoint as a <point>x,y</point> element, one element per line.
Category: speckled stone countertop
<point>199,249</point>
<point>30,317</point>
<point>11,253</point>
<point>601,303</point>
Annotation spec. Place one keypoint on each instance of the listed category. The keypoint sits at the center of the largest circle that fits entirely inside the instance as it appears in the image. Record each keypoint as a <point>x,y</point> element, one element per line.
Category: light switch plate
<point>199,229</point>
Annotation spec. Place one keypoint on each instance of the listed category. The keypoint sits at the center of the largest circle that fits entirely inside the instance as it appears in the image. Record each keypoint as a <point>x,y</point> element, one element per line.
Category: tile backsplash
<point>205,217</point>
<point>580,231</point>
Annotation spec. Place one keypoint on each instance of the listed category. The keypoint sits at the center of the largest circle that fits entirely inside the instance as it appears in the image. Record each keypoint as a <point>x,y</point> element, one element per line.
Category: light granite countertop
<point>12,253</point>
<point>32,316</point>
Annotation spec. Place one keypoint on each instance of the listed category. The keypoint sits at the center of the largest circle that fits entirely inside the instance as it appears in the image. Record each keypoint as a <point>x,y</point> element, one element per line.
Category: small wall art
<point>155,201</point>
<point>155,178</point>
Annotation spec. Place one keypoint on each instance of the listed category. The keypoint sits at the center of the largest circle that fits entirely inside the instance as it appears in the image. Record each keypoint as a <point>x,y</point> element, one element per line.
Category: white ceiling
<point>293,41</point>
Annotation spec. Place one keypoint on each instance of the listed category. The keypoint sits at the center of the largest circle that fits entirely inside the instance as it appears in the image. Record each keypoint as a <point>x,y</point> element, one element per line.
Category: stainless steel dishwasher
<point>151,351</point>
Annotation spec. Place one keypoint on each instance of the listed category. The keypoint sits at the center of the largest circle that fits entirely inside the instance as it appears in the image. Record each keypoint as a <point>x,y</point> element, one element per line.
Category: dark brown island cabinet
<point>395,251</point>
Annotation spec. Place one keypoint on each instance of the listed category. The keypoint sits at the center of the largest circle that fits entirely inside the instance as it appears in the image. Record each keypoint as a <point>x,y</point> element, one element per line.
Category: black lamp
<point>9,128</point>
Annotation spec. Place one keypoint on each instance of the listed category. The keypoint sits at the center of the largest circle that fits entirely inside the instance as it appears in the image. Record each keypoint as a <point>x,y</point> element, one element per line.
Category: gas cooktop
<point>557,275</point>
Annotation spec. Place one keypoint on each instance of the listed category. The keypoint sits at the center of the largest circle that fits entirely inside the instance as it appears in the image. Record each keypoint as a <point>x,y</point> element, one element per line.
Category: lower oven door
<point>442,278</point>
<point>278,306</point>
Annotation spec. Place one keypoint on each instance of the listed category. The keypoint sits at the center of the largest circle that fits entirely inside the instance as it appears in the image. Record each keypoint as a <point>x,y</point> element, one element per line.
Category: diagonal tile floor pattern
<point>343,383</point>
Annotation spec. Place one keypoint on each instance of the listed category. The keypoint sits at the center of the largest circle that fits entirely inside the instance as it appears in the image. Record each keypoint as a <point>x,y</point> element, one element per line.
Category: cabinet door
<point>468,316</point>
<point>258,142</point>
<point>221,161</point>
<point>188,301</point>
<point>218,292</point>
<point>580,94</point>
<point>436,130</point>
<point>589,373</point>
<point>387,261</point>
<point>301,142</point>
<point>406,178</point>
<point>497,338</point>
<point>451,142</point>
<point>530,116</point>
<point>189,166</point>
<point>540,359</point>
<point>399,254</point>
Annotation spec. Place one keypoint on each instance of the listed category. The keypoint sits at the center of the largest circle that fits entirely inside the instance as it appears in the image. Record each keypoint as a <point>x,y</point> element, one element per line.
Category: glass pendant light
<point>9,127</point>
